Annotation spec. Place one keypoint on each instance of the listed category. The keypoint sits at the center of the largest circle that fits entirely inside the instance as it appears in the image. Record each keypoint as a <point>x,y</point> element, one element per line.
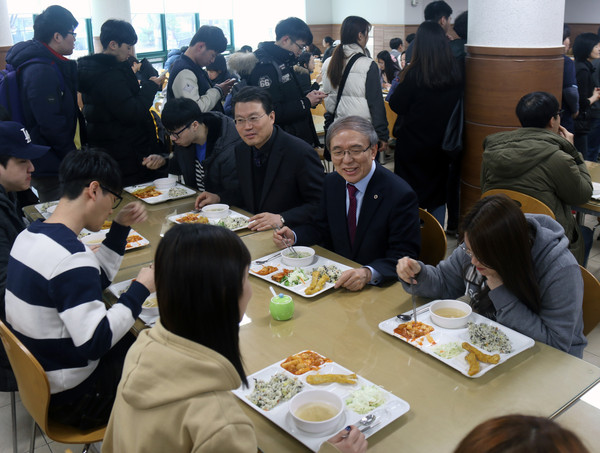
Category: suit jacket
<point>293,180</point>
<point>388,223</point>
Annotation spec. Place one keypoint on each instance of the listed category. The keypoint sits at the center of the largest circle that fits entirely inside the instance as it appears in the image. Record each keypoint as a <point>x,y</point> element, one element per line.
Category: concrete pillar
<point>513,48</point>
<point>102,10</point>
<point>5,36</point>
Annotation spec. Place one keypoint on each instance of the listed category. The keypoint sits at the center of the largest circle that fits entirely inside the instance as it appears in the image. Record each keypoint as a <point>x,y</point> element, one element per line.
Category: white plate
<point>46,208</point>
<point>93,238</point>
<point>232,214</point>
<point>119,288</point>
<point>298,289</point>
<point>389,411</point>
<point>596,190</point>
<point>441,335</point>
<point>164,193</point>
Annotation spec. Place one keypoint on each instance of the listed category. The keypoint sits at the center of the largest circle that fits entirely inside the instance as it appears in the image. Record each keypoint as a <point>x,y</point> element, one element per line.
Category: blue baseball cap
<point>16,142</point>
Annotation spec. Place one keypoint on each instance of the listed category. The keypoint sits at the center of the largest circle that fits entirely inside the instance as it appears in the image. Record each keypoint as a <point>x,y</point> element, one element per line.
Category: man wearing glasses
<point>48,84</point>
<point>368,214</point>
<point>280,176</point>
<point>272,67</point>
<point>54,291</point>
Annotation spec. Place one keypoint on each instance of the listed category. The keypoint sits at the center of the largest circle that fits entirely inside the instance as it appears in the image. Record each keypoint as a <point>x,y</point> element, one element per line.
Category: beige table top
<point>445,405</point>
<point>592,206</point>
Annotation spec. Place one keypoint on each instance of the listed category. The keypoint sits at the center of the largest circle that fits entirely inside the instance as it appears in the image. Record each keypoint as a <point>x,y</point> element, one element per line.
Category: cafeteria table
<point>343,326</point>
<point>592,207</point>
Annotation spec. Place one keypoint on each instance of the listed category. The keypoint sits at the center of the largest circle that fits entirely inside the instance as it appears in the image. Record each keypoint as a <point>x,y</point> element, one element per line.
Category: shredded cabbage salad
<point>296,277</point>
<point>365,399</point>
<point>448,350</point>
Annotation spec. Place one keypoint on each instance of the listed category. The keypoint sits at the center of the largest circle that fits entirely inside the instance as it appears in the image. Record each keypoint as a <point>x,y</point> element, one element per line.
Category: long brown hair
<point>520,434</point>
<point>351,27</point>
<point>432,63</point>
<point>499,237</point>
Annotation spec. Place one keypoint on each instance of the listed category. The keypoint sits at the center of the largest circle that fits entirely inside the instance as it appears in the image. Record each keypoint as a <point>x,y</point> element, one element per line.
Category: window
<point>180,29</point>
<point>21,27</point>
<point>149,30</point>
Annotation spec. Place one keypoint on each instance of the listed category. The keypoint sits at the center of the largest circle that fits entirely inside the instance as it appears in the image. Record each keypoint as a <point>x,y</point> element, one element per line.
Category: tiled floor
<point>581,418</point>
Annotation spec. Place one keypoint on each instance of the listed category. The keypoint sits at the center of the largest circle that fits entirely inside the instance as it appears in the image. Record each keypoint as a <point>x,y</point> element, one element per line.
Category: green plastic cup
<point>281,307</point>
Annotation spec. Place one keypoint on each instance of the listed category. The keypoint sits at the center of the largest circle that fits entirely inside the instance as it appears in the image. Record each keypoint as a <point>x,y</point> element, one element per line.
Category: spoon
<point>366,422</point>
<point>404,318</point>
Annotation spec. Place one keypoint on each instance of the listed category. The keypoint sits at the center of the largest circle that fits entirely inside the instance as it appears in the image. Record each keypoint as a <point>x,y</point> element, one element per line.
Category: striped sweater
<point>54,300</point>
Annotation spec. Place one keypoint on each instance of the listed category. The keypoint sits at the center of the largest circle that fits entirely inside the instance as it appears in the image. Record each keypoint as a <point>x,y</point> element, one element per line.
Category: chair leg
<point>32,442</point>
<point>85,448</point>
<point>13,411</point>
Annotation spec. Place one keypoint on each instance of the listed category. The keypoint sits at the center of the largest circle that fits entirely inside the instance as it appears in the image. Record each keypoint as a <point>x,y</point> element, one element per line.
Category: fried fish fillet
<point>482,357</point>
<point>316,379</point>
<point>473,363</point>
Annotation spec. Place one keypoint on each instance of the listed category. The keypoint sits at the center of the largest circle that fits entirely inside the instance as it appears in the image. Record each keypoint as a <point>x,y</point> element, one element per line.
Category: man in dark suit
<point>368,214</point>
<point>280,176</point>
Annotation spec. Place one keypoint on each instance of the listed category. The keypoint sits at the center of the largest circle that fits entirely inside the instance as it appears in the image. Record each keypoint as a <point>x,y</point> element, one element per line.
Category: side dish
<point>412,330</point>
<point>365,399</point>
<point>303,362</point>
<point>268,394</point>
<point>146,192</point>
<point>489,337</point>
<point>317,379</point>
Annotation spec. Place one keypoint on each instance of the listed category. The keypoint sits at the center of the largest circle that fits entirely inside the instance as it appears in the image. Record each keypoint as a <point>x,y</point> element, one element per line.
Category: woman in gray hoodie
<point>512,268</point>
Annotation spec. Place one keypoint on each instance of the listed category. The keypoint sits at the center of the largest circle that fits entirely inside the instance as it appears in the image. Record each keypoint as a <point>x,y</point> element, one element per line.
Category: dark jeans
<point>89,404</point>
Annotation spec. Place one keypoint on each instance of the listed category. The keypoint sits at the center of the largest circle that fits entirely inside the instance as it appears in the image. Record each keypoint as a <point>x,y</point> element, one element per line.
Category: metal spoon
<point>366,422</point>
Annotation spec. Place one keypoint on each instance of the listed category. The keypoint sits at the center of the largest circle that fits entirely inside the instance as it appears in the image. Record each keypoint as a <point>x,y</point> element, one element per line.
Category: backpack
<point>10,92</point>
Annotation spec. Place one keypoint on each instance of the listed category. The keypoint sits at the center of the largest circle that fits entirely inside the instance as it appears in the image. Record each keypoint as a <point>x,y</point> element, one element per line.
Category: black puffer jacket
<point>117,112</point>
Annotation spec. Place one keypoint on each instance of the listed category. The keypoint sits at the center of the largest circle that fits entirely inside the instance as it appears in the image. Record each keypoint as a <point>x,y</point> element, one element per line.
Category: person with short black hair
<point>512,268</point>
<point>437,11</point>
<point>217,70</point>
<point>54,291</point>
<point>540,160</point>
<point>188,79</point>
<point>328,44</point>
<point>280,176</point>
<point>271,67</point>
<point>117,109</point>
<point>48,84</point>
<point>204,147</point>
<point>396,46</point>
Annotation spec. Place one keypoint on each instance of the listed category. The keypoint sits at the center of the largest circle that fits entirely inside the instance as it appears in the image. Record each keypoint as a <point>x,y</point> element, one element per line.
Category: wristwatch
<point>282,220</point>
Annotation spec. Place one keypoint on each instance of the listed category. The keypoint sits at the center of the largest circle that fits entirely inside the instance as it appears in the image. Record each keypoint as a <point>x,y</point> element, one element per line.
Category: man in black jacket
<point>272,67</point>
<point>117,110</point>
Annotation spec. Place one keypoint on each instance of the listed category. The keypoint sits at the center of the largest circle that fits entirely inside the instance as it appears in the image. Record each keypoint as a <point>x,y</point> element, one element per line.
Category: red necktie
<point>352,211</point>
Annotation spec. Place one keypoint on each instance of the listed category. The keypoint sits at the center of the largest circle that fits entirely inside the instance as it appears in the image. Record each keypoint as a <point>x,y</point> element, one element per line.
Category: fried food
<point>266,270</point>
<point>279,276</point>
<point>146,192</point>
<point>316,379</point>
<point>132,239</point>
<point>192,218</point>
<point>106,225</point>
<point>317,283</point>
<point>471,359</point>
<point>303,362</point>
<point>411,329</point>
<point>481,356</point>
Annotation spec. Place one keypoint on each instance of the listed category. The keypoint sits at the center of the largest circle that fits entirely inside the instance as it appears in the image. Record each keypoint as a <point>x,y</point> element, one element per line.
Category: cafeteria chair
<point>526,203</point>
<point>591,301</point>
<point>34,390</point>
<point>433,239</point>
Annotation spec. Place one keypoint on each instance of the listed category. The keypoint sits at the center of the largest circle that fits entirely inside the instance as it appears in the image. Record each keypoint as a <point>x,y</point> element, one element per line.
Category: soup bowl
<point>451,314</point>
<point>321,405</point>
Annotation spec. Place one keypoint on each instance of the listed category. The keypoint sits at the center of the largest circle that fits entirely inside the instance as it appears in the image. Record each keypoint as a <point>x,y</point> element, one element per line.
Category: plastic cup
<point>281,307</point>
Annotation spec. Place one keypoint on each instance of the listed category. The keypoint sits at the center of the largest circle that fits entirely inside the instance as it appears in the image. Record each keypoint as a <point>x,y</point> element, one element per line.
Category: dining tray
<point>174,193</point>
<point>297,289</point>
<point>442,336</point>
<point>390,410</point>
<point>47,208</point>
<point>234,215</point>
<point>134,239</point>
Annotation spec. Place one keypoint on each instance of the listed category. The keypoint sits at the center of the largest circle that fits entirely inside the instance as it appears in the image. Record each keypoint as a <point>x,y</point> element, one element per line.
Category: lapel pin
<point>375,196</point>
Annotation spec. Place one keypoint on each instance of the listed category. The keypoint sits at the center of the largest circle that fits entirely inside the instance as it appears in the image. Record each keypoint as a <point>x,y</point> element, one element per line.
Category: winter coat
<point>560,321</point>
<point>50,114</point>
<point>543,165</point>
<point>362,94</point>
<point>117,112</point>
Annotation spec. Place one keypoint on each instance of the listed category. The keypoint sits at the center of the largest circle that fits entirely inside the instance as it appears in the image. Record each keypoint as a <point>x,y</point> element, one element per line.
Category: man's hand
<point>382,146</point>
<point>283,237</point>
<point>131,213</point>
<point>407,269</point>
<point>352,441</point>
<point>159,80</point>
<point>315,97</point>
<point>146,277</point>
<point>206,198</point>
<point>565,134</point>
<point>264,221</point>
<point>226,86</point>
<point>153,161</point>
<point>354,279</point>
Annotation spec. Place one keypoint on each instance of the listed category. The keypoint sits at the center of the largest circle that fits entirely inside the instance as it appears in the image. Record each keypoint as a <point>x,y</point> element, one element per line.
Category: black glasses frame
<point>119,198</point>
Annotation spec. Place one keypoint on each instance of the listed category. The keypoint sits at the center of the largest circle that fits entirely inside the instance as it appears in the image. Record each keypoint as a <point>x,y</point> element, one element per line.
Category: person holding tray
<point>182,370</point>
<point>513,268</point>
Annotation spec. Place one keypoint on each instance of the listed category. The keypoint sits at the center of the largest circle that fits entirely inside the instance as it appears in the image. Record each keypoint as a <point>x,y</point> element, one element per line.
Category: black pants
<point>89,404</point>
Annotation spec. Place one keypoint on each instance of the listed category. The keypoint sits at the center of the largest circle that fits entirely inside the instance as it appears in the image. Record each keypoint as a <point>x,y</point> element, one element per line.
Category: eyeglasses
<point>118,198</point>
<point>353,151</point>
<point>251,120</point>
<point>72,33</point>
<point>560,113</point>
<point>180,131</point>
<point>299,46</point>
<point>470,254</point>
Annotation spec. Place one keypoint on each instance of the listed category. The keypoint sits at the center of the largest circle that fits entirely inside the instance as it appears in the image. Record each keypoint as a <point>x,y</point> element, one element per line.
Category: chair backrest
<point>433,239</point>
<point>34,388</point>
<point>591,301</point>
<point>526,203</point>
<point>391,118</point>
<point>319,109</point>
